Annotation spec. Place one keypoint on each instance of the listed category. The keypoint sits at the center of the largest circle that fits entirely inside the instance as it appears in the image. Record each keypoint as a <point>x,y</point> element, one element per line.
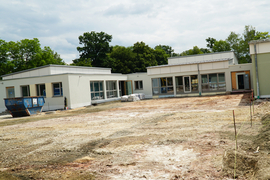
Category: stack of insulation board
<point>124,98</point>
<point>141,95</point>
<point>133,97</point>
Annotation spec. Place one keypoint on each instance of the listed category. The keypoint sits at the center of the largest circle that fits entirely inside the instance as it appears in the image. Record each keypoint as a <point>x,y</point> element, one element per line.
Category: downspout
<point>257,75</point>
<point>199,79</point>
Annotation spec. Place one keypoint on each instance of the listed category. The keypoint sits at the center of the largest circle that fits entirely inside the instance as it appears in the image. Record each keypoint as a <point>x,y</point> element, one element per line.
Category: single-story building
<point>203,74</point>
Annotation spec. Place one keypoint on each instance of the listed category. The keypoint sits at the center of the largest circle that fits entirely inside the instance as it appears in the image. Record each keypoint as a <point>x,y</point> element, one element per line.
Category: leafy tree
<point>220,46</point>
<point>210,42</point>
<point>144,57</point>
<point>193,51</point>
<point>94,50</point>
<point>161,55</point>
<point>25,54</point>
<point>168,49</point>
<point>121,60</point>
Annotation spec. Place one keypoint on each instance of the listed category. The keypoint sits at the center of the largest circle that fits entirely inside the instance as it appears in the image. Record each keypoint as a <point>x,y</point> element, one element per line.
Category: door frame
<point>185,84</point>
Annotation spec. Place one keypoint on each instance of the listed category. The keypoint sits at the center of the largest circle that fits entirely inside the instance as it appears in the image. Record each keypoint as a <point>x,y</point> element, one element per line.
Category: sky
<point>180,24</point>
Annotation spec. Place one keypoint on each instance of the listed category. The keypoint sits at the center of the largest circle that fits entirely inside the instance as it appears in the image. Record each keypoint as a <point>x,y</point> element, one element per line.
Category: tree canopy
<point>25,54</point>
<point>94,50</point>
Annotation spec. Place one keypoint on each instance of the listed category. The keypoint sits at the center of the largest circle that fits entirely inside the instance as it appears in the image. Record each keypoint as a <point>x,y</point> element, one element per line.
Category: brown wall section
<point>233,75</point>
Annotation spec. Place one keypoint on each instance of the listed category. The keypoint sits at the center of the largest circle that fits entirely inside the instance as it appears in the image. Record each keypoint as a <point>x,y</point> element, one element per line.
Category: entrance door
<point>240,81</point>
<point>125,88</point>
<point>187,84</point>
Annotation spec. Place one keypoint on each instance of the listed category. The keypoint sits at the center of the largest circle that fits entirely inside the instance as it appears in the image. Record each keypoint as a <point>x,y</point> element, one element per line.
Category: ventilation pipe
<point>257,75</point>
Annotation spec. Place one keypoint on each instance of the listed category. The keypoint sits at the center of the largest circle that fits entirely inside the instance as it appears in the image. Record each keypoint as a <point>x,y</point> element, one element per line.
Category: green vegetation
<point>25,54</point>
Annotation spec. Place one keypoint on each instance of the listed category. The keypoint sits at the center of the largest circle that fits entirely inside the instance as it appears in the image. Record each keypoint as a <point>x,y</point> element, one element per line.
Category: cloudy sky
<point>181,24</point>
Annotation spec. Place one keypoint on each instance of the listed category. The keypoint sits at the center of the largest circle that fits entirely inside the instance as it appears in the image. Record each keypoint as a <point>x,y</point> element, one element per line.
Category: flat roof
<point>54,65</point>
<point>259,41</point>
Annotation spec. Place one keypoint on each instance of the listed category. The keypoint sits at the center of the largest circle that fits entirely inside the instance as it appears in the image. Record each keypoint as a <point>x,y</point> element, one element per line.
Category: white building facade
<point>215,73</point>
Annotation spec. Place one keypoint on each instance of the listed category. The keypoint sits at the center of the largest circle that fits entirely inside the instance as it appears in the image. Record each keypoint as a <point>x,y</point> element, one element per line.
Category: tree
<point>95,48</point>
<point>121,60</point>
<point>210,42</point>
<point>144,57</point>
<point>161,55</point>
<point>25,54</point>
<point>193,51</point>
<point>168,49</point>
<point>220,46</point>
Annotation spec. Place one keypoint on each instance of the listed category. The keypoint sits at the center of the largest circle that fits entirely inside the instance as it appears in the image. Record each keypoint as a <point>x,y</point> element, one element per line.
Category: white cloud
<point>178,23</point>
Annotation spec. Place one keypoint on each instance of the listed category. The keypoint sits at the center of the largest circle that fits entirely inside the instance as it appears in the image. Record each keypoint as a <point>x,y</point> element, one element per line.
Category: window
<point>179,84</point>
<point>138,85</point>
<point>213,82</point>
<point>162,85</point>
<point>10,92</point>
<point>41,90</point>
<point>194,83</point>
<point>96,90</point>
<point>111,89</point>
<point>57,89</point>
<point>25,91</point>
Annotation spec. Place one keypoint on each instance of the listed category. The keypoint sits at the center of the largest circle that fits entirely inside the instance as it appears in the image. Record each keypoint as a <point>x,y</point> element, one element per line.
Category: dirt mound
<point>251,163</point>
<point>246,165</point>
<point>263,138</point>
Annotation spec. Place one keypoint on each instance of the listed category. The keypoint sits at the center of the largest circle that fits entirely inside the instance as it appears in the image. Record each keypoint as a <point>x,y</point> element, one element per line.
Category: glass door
<point>187,84</point>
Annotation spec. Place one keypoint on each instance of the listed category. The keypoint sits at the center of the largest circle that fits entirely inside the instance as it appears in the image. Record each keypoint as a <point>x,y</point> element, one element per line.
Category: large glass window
<point>213,82</point>
<point>179,84</point>
<point>25,91</point>
<point>162,85</point>
<point>111,89</point>
<point>10,92</point>
<point>194,83</point>
<point>41,90</point>
<point>138,85</point>
<point>57,89</point>
<point>96,90</point>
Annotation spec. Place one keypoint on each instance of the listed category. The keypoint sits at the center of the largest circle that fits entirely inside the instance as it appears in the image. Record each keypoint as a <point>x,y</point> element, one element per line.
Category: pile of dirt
<point>250,162</point>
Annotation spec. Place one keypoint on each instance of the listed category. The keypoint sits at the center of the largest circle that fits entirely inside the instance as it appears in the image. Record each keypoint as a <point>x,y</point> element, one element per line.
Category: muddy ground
<point>174,138</point>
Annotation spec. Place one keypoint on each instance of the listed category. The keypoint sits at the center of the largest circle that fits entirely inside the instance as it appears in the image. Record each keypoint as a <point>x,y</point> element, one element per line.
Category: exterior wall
<point>79,88</point>
<point>147,84</point>
<point>187,68</point>
<point>194,72</point>
<point>238,69</point>
<point>203,57</point>
<point>50,101</point>
<point>263,74</point>
<point>263,61</point>
<point>57,69</point>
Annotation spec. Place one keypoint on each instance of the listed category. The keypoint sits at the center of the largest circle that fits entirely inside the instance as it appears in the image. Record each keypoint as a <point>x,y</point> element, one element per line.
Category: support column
<point>105,90</point>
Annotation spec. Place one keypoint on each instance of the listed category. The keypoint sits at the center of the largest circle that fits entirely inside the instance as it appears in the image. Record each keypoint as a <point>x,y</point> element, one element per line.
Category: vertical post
<point>250,111</point>
<point>199,81</point>
<point>235,145</point>
<point>235,130</point>
<point>253,101</point>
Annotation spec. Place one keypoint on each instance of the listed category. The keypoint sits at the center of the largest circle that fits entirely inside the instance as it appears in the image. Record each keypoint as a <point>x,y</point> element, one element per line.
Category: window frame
<point>111,91</point>
<point>216,85</point>
<point>60,89</point>
<point>163,86</point>
<point>38,89</point>
<point>138,85</point>
<point>27,90</point>
<point>7,91</point>
<point>100,91</point>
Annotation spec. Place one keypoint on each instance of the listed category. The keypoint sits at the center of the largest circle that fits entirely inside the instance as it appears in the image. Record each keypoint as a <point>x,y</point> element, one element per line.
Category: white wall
<point>187,68</point>
<point>79,87</point>
<point>147,84</point>
<point>263,47</point>
<point>50,101</point>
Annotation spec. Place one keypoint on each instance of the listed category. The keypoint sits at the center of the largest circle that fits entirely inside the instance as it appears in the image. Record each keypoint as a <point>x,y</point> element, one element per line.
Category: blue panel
<point>24,106</point>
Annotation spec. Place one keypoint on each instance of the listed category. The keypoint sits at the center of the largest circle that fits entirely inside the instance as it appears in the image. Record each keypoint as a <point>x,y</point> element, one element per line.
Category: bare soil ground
<point>174,138</point>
